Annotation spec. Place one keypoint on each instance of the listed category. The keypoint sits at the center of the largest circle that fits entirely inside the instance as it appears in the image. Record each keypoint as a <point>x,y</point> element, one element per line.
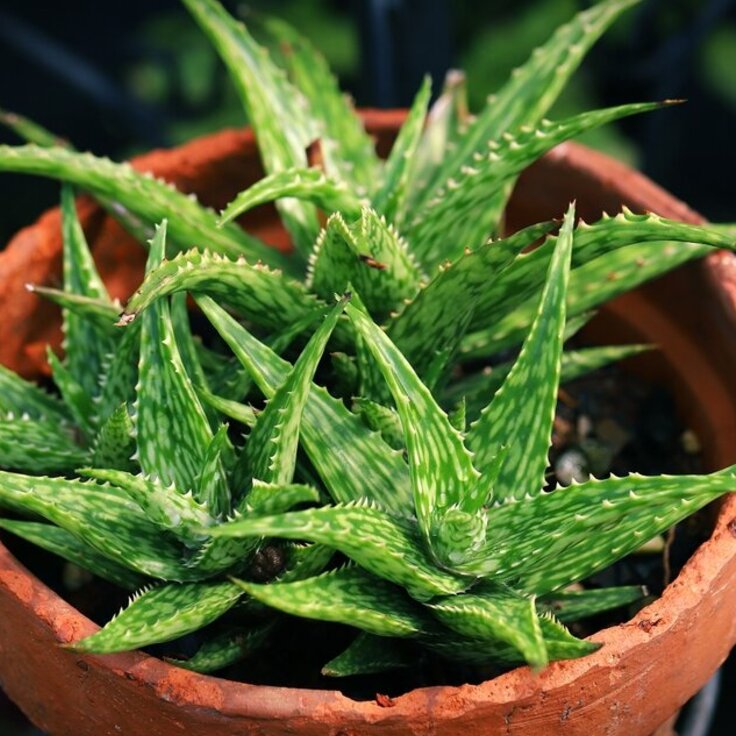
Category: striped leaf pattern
<point>310,185</point>
<point>347,149</point>
<point>280,117</point>
<point>227,647</point>
<point>211,484</point>
<point>533,87</point>
<point>23,398</point>
<point>265,499</point>
<point>38,446</point>
<point>447,120</point>
<point>390,199</point>
<point>162,614</point>
<point>367,253</point>
<point>571,606</point>
<point>264,296</point>
<point>496,616</point>
<point>270,454</point>
<point>348,596</point>
<point>242,413</point>
<point>458,206</point>
<point>114,445</point>
<point>442,472</point>
<point>103,517</point>
<point>429,536</point>
<point>150,199</point>
<point>75,396</point>
<point>507,299</point>
<point>478,388</point>
<point>85,345</point>
<point>529,93</point>
<point>558,641</point>
<point>369,654</point>
<point>581,529</point>
<point>386,546</point>
<point>353,462</point>
<point>425,326</point>
<point>60,542</point>
<point>521,414</point>
<point>176,512</point>
<point>172,430</point>
<point>120,375</point>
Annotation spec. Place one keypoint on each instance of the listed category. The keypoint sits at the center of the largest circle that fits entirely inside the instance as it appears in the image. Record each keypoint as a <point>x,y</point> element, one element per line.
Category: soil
<point>609,421</point>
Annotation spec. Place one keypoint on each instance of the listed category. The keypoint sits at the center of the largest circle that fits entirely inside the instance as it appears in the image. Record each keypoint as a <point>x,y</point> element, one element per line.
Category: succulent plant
<point>408,500</point>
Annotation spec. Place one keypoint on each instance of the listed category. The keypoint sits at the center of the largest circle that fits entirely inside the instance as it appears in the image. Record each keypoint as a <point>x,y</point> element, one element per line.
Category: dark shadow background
<point>120,77</point>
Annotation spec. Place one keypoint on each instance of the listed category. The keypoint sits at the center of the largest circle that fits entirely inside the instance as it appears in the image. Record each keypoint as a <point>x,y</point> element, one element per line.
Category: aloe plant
<point>156,463</point>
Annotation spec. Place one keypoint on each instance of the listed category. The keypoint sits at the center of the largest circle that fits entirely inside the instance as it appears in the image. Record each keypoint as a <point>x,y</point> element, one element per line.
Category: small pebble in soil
<point>572,467</point>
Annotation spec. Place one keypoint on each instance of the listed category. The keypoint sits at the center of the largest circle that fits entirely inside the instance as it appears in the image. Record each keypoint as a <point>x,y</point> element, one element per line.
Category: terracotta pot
<point>647,667</point>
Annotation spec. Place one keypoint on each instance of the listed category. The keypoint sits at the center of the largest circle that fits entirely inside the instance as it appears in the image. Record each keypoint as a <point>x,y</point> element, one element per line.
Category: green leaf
<point>561,644</point>
<point>167,507</point>
<point>558,538</point>
<point>570,606</point>
<point>558,641</point>
<point>227,647</point>
<point>38,446</point>
<point>310,185</point>
<point>448,117</point>
<point>221,554</point>
<point>381,419</point>
<point>85,345</point>
<point>387,546</point>
<point>441,469</point>
<point>161,614</point>
<point>460,204</point>
<point>21,397</point>
<point>101,313</point>
<point>352,461</point>
<point>120,374</point>
<point>531,90</point>
<point>189,351</point>
<point>347,150</point>
<point>390,199</point>
<point>347,596</point>
<point>173,432</point>
<point>306,561</point>
<point>521,414</point>
<point>426,328</point>
<point>242,413</point>
<point>101,516</point>
<point>369,254</point>
<point>274,498</point>
<point>30,131</point>
<point>263,296</point>
<point>148,198</point>
<point>270,454</point>
<point>114,445</point>
<point>75,396</point>
<point>496,616</point>
<point>457,416</point>
<point>211,484</point>
<point>277,111</point>
<point>369,654</point>
<point>610,256</point>
<point>64,544</point>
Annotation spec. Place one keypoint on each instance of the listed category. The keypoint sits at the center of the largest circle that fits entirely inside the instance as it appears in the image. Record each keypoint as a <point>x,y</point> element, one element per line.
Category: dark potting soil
<point>608,422</point>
